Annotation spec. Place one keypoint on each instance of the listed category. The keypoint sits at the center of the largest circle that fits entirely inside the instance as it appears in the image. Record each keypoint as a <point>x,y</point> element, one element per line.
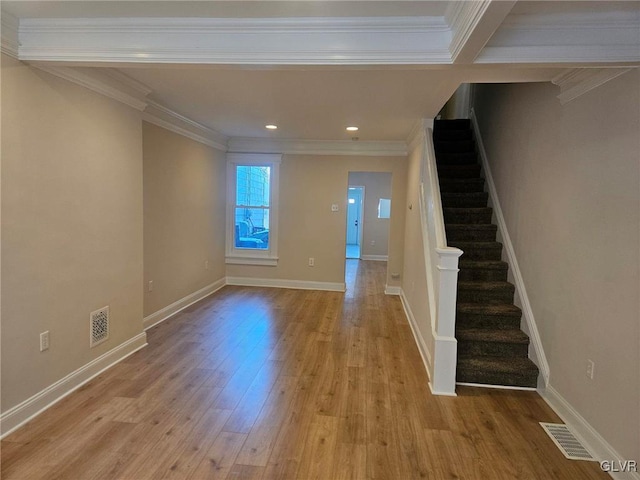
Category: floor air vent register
<point>566,441</point>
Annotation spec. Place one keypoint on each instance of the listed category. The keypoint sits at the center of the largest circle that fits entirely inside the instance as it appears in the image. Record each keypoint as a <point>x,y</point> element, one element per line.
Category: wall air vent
<point>98,326</point>
<point>566,441</point>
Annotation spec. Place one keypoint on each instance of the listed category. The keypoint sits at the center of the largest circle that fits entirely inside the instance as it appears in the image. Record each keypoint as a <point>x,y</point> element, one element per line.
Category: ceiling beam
<point>472,25</point>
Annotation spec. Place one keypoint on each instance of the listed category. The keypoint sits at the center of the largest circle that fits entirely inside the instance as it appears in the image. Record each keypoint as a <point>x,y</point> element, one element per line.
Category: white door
<point>354,215</point>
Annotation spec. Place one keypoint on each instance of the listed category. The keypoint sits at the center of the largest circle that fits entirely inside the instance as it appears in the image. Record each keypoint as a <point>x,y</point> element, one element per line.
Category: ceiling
<point>380,65</point>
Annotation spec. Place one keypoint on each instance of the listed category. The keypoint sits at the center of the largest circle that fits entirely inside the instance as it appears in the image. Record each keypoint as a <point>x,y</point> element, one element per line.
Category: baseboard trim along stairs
<point>492,349</point>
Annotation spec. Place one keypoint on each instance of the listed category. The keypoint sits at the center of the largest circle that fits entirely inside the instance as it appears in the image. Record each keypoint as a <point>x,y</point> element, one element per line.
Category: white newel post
<point>446,345</point>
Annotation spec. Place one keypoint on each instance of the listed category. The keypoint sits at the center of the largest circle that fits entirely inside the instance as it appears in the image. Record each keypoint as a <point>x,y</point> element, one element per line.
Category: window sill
<point>260,261</point>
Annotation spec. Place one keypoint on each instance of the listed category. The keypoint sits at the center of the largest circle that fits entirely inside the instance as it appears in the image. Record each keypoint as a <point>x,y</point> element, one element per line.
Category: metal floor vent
<point>99,326</point>
<point>568,444</point>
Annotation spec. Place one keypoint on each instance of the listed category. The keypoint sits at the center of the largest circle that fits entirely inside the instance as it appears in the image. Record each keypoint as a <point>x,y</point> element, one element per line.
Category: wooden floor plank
<point>266,383</point>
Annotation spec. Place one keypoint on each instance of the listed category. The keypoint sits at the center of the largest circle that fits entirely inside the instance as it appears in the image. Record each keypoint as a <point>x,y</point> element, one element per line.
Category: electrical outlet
<point>312,262</point>
<point>151,285</point>
<point>206,264</point>
<point>44,341</point>
<point>373,242</point>
<point>590,369</point>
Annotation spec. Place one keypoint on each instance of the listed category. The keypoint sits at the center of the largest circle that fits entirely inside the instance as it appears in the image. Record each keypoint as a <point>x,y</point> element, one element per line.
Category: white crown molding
<point>131,83</point>
<point>464,17</point>
<point>318,147</point>
<point>97,81</point>
<point>593,37</point>
<point>578,81</point>
<point>171,120</point>
<point>9,29</point>
<point>562,54</point>
<point>287,41</point>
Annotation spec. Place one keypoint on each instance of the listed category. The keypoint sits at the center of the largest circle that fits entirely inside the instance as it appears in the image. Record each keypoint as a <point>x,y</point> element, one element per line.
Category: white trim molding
<point>375,258</point>
<point>170,310</point>
<point>575,82</point>
<point>589,436</point>
<point>392,290</point>
<point>165,117</point>
<point>9,30</point>
<point>238,41</point>
<point>283,283</point>
<point>317,147</point>
<point>536,350</point>
<point>17,416</point>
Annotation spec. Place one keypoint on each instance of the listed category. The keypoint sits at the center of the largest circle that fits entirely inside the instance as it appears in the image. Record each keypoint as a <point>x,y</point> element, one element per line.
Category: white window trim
<point>242,256</point>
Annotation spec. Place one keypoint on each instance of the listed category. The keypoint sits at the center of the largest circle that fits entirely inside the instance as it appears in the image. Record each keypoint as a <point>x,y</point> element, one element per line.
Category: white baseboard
<point>281,283</point>
<point>170,310</point>
<point>417,336</point>
<point>376,258</point>
<point>17,416</point>
<point>527,312</point>
<point>598,446</point>
<point>392,290</point>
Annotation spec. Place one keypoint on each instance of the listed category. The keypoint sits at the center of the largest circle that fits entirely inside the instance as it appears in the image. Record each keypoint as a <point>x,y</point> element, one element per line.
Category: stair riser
<point>492,378</point>
<point>459,171</point>
<point>493,349</point>
<point>482,253</point>
<point>471,235</point>
<point>472,185</point>
<point>468,320</point>
<point>483,218</point>
<point>494,297</point>
<point>466,200</point>
<point>466,158</point>
<point>456,146</point>
<point>482,275</point>
<point>451,135</point>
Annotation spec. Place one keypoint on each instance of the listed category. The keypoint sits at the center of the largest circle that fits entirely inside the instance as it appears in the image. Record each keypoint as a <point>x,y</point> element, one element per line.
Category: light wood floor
<point>257,383</point>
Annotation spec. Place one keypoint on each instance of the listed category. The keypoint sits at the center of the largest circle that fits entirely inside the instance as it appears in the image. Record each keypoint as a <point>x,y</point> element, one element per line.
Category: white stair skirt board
<point>586,434</point>
<point>17,416</point>
<point>281,283</point>
<point>170,310</point>
<point>537,355</point>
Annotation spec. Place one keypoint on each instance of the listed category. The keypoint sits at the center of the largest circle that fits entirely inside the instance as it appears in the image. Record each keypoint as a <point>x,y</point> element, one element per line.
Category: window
<point>384,208</point>
<point>252,207</point>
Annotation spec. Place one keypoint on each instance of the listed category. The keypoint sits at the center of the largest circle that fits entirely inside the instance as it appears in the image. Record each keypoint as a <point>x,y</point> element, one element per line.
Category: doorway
<point>355,202</point>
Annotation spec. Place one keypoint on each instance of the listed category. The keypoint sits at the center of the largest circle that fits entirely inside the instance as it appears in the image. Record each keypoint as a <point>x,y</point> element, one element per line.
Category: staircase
<point>491,347</point>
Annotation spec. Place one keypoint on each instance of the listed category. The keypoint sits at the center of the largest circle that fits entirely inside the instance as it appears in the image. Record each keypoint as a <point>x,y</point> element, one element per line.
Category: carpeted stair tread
<point>461,158</point>
<point>472,215</point>
<point>464,200</point>
<point>459,171</point>
<point>483,264</point>
<point>479,250</point>
<point>452,134</point>
<point>454,146</point>
<point>473,245</point>
<point>485,286</point>
<point>505,309</point>
<point>453,124</point>
<point>511,335</point>
<point>461,185</point>
<point>471,232</point>
<point>512,371</point>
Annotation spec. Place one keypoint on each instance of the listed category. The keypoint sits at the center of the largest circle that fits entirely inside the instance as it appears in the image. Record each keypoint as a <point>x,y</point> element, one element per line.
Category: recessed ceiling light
<point>271,127</point>
<point>352,129</point>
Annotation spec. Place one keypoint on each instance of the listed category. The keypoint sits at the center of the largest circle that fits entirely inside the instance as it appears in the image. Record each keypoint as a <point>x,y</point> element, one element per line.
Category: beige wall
<point>414,283</point>
<point>184,216</point>
<point>71,225</point>
<point>568,180</point>
<point>309,185</point>
<point>375,231</point>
